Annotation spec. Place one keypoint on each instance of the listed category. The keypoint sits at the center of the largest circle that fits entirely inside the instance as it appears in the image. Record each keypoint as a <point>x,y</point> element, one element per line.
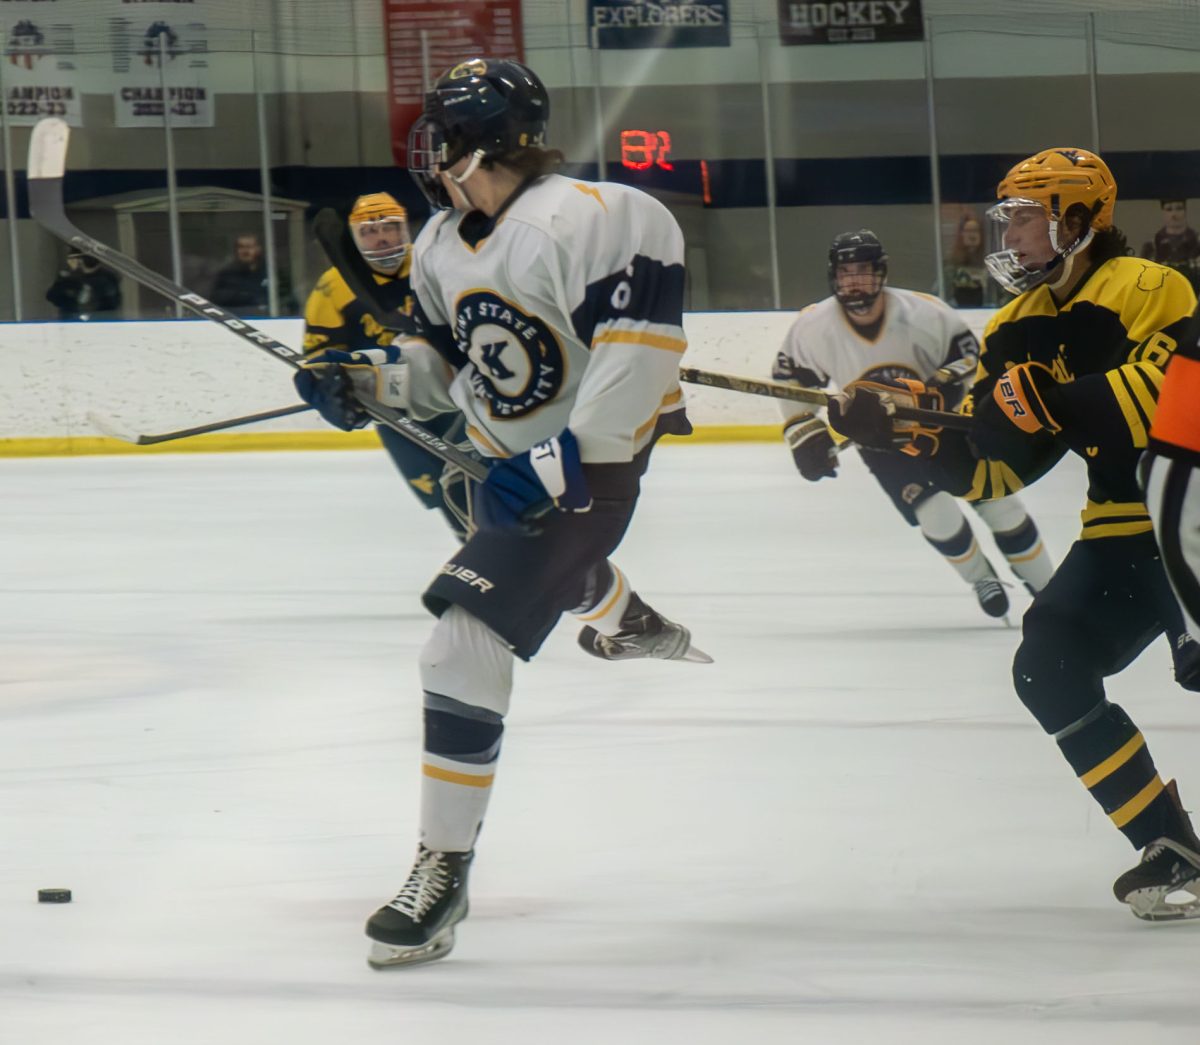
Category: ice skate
<point>644,634</point>
<point>418,925</point>
<point>1165,885</point>
<point>993,599</point>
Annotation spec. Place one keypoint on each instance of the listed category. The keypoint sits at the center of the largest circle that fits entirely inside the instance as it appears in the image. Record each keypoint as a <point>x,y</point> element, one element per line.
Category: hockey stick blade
<point>777,390</point>
<point>334,236</point>
<point>48,147</point>
<point>112,428</point>
<point>115,430</point>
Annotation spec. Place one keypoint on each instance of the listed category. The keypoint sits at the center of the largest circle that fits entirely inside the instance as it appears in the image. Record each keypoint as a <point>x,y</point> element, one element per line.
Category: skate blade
<point>1155,905</point>
<point>694,656</point>
<point>389,956</point>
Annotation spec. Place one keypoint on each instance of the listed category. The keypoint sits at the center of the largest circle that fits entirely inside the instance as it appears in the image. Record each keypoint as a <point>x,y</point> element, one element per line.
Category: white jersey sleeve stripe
<point>641,337</point>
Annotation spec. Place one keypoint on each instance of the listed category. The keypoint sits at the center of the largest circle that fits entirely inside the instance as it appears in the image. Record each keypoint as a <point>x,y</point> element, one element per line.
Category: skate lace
<point>425,886</point>
<point>987,587</point>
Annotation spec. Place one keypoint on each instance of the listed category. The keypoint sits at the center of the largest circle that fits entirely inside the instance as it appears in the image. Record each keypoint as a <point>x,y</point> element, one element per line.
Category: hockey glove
<point>864,412</point>
<point>518,490</point>
<point>813,448</point>
<point>1185,656</point>
<point>959,373</point>
<point>333,381</point>
<point>1025,400</point>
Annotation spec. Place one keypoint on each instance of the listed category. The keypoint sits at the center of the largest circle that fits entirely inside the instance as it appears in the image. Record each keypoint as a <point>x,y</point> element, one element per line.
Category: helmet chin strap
<point>459,179</point>
<point>1070,257</point>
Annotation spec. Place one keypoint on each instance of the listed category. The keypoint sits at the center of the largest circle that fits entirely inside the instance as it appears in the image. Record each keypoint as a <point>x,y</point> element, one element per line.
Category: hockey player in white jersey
<point>868,331</point>
<point>550,312</point>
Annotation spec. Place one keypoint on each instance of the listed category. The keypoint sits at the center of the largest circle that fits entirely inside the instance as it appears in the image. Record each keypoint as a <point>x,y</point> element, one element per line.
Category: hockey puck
<point>54,896</point>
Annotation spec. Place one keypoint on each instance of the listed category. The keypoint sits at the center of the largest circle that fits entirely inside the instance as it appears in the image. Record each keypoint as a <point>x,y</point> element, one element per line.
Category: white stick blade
<point>48,148</point>
<point>113,429</point>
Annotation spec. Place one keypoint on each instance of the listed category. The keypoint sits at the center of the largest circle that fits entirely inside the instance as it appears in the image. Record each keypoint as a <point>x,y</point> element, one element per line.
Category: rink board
<point>169,374</point>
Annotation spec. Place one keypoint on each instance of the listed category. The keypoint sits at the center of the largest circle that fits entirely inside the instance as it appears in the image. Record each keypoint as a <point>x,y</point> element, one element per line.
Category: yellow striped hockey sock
<point>1110,757</point>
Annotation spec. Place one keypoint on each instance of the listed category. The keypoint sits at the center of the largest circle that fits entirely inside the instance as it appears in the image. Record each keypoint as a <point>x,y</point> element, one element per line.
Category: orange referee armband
<point>1177,420</point>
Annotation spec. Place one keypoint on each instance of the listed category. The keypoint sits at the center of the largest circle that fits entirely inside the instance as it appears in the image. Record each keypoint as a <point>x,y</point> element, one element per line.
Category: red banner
<point>454,30</point>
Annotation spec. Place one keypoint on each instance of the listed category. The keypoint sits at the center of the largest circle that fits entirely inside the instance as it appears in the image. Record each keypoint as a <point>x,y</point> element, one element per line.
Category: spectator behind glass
<point>966,276</point>
<point>242,285</point>
<point>1175,244</point>
<point>85,289</point>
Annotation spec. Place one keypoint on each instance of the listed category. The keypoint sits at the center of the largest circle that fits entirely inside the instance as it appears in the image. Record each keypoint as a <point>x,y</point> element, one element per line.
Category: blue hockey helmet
<point>486,108</point>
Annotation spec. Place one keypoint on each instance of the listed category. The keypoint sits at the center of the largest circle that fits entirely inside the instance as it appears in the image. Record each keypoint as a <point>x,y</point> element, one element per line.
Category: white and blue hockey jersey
<point>823,349</point>
<point>567,314</point>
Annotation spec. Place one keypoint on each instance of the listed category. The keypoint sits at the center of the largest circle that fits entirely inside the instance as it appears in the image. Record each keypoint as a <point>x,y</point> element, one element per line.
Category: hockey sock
<point>1110,757</point>
<point>466,672</point>
<point>943,525</point>
<point>608,605</point>
<point>1018,539</point>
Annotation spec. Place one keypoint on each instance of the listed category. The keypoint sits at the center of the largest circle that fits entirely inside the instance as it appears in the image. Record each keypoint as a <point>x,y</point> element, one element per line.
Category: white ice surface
<point>847,830</point>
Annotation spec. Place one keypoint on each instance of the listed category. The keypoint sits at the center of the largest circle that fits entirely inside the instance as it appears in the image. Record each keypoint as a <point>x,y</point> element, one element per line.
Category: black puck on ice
<point>54,896</point>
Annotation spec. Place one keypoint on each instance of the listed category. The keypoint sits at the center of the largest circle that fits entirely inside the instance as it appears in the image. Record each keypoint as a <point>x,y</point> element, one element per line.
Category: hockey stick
<point>47,164</point>
<point>776,390</point>
<point>334,236</point>
<point>115,430</point>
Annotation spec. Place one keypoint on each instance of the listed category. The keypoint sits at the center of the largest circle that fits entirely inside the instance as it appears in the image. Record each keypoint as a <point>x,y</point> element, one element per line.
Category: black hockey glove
<point>861,414</point>
<point>1023,402</point>
<point>1185,655</point>
<point>813,449</point>
<point>865,413</point>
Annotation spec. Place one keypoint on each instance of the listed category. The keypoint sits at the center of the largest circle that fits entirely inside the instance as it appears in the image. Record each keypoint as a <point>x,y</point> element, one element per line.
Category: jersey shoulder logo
<point>517,360</point>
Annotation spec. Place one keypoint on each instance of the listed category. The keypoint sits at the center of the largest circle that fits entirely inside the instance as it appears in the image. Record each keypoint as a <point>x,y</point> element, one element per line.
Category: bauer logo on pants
<point>469,577</point>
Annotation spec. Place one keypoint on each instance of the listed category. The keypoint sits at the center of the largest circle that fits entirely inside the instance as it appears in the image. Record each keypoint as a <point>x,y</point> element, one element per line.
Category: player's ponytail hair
<point>530,162</point>
<point>1109,243</point>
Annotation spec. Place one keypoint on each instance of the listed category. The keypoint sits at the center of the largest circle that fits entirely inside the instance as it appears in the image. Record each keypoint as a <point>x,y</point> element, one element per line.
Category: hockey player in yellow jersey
<point>1074,364</point>
<point>335,319</point>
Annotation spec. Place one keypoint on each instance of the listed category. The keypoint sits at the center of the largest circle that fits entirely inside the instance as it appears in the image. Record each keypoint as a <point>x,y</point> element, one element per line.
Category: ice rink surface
<point>846,830</point>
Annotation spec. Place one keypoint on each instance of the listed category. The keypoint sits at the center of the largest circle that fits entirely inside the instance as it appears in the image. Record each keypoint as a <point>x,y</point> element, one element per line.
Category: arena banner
<point>628,24</point>
<point>849,21</point>
<point>137,37</point>
<point>449,31</point>
<point>38,71</point>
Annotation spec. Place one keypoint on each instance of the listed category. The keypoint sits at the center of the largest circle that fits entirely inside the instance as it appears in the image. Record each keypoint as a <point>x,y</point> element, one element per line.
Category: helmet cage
<point>427,153</point>
<point>387,259</point>
<point>847,250</point>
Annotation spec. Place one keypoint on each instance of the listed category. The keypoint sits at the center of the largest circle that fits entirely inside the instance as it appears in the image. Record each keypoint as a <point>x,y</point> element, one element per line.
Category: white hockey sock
<point>1017,537</point>
<point>466,672</point>
<point>606,613</point>
<point>945,527</point>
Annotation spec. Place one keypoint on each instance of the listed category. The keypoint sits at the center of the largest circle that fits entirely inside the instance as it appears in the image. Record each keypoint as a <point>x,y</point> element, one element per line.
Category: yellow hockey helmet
<point>379,225</point>
<point>1077,193</point>
<point>1060,178</point>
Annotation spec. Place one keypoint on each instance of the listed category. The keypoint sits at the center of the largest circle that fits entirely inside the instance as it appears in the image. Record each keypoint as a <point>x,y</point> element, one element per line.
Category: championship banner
<point>849,21</point>
<point>628,24</point>
<point>38,71</point>
<point>452,32</point>
<point>137,51</point>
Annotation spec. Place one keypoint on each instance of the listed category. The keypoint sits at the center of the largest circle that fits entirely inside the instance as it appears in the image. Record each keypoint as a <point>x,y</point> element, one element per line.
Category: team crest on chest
<point>518,361</point>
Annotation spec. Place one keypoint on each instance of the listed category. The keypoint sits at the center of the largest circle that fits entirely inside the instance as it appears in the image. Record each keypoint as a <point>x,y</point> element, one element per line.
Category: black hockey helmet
<point>850,247</point>
<point>486,107</point>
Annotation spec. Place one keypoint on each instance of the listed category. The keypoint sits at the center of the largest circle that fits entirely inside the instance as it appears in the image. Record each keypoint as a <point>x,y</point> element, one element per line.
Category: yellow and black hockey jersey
<point>1107,345</point>
<point>335,318</point>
